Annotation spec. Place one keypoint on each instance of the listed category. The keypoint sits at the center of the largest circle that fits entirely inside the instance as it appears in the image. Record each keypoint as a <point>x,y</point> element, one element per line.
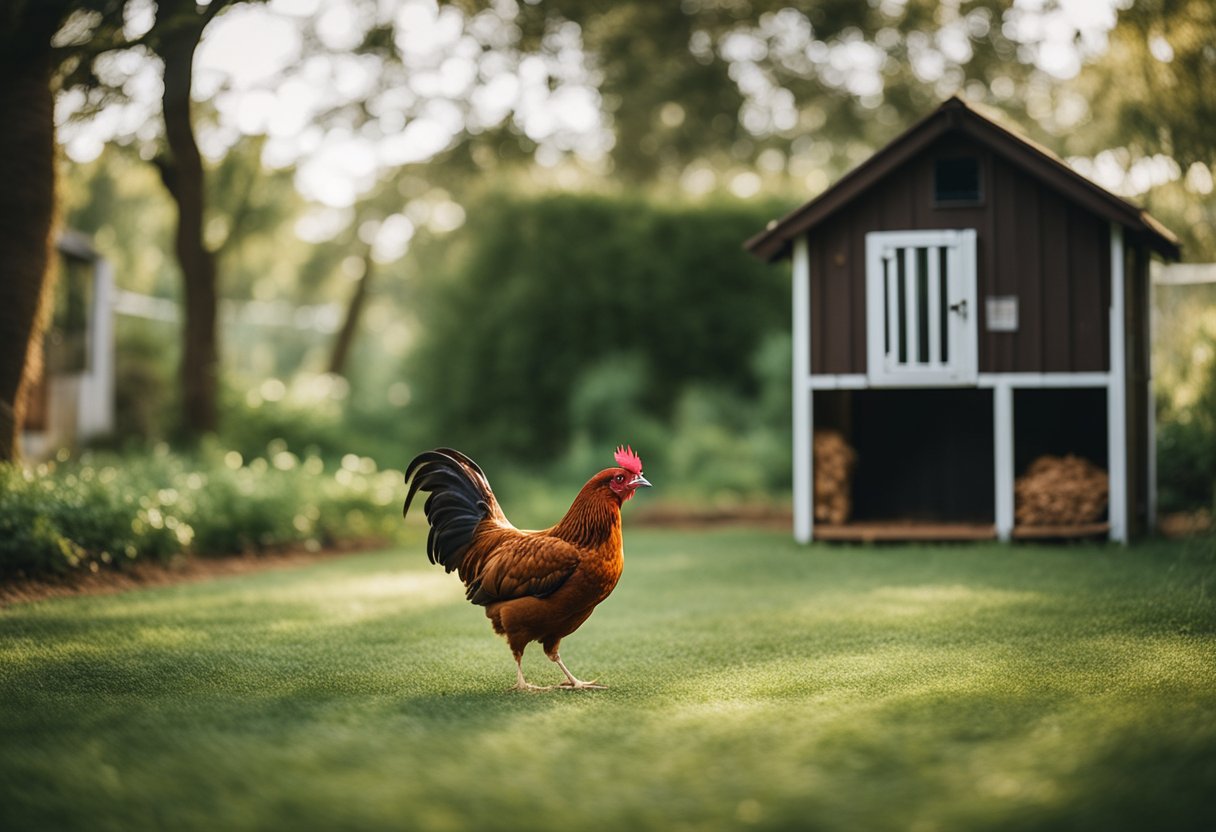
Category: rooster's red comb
<point>627,459</point>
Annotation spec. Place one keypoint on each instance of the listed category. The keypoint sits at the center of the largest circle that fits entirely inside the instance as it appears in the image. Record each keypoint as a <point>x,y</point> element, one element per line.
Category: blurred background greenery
<point>516,228</point>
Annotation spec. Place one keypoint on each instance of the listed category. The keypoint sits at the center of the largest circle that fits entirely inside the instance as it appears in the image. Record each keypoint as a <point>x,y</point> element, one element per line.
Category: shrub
<point>305,413</point>
<point>555,288</point>
<point>1185,369</point>
<point>76,519</point>
<point>105,510</point>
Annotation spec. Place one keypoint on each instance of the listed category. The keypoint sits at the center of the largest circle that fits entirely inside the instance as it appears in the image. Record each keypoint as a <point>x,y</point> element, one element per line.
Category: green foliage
<point>1156,74</point>
<point>120,201</point>
<point>79,517</point>
<point>1185,371</point>
<point>1186,463</point>
<point>1147,101</point>
<point>577,312</point>
<point>610,394</point>
<point>730,447</point>
<point>304,413</point>
<point>144,393</point>
<point>681,81</point>
<point>104,510</point>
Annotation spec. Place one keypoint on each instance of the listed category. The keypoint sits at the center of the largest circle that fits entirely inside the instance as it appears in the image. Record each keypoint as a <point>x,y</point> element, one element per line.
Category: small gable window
<point>956,181</point>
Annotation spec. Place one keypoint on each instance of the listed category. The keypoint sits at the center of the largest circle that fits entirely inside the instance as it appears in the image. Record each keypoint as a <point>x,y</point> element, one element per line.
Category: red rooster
<point>535,586</point>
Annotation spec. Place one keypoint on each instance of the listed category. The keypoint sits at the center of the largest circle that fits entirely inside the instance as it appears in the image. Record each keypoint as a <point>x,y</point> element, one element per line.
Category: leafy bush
<point>145,392</point>
<point>726,446</point>
<point>1186,457</point>
<point>558,298</point>
<point>305,413</point>
<point>105,510</point>
<point>1185,370</point>
<point>78,518</point>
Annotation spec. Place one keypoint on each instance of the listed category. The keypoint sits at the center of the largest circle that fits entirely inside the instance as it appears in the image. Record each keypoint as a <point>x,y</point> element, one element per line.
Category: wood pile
<point>1060,491</point>
<point>834,463</point>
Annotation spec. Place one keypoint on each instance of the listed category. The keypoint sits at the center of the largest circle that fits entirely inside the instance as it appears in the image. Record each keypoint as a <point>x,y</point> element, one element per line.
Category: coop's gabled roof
<point>955,115</point>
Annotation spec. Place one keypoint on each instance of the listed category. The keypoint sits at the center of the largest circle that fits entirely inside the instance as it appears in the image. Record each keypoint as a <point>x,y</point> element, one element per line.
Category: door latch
<point>960,308</point>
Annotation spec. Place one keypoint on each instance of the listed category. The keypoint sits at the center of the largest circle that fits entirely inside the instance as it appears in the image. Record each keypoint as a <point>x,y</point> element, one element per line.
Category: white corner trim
<point>1002,443</point>
<point>803,448</point>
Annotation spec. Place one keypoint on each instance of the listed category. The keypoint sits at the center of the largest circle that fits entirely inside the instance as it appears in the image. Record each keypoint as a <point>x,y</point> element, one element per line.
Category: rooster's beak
<point>638,481</point>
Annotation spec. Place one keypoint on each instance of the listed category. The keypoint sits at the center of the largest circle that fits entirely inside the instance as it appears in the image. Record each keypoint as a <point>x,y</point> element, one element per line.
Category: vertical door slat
<point>911,333</point>
<point>934,300</point>
<point>892,307</point>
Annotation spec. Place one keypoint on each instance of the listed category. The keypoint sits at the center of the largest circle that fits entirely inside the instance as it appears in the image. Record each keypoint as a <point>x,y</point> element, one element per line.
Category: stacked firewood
<point>1060,491</point>
<point>834,462</point>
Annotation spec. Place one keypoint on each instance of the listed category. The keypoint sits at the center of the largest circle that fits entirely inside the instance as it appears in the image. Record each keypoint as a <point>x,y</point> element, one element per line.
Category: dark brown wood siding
<point>1053,255</point>
<point>1138,348</point>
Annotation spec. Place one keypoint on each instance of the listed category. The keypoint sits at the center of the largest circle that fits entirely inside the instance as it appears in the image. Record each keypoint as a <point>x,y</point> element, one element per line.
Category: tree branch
<point>215,7</point>
<point>239,212</point>
<point>165,167</point>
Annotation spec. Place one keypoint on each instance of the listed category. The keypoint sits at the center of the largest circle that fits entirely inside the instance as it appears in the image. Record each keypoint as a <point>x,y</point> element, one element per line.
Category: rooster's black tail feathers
<point>460,498</point>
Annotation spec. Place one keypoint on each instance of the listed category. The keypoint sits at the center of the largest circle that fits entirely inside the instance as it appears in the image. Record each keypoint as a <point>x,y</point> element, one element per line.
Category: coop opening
<point>904,463</point>
<point>1060,462</point>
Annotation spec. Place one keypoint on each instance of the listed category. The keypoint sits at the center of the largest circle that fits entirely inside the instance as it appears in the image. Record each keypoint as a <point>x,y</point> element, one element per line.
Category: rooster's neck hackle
<point>593,519</point>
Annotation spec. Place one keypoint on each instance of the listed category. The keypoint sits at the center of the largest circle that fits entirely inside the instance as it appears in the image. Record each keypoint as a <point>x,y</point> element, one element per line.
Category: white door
<point>921,310</point>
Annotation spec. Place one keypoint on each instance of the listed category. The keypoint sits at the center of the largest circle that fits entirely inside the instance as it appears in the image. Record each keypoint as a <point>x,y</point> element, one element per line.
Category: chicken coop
<point>970,344</point>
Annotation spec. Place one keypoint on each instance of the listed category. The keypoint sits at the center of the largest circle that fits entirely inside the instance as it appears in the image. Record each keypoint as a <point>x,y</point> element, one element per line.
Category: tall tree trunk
<point>27,214</point>
<point>350,324</point>
<point>183,175</point>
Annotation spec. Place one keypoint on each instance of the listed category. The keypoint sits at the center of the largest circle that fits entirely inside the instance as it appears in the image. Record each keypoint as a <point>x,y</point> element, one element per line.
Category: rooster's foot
<point>572,682</point>
<point>520,682</point>
<point>577,684</point>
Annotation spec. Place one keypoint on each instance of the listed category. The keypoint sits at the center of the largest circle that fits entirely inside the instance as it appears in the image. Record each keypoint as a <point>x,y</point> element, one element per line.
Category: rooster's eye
<point>619,478</point>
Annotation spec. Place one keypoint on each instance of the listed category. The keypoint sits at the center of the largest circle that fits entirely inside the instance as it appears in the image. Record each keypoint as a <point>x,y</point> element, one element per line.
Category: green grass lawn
<point>754,684</point>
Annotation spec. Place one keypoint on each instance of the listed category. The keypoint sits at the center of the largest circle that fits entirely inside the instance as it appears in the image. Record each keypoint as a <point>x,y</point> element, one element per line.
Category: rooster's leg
<point>572,683</point>
<point>520,682</point>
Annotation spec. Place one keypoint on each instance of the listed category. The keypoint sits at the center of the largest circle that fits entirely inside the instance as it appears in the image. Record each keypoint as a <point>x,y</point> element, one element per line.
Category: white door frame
<point>959,367</point>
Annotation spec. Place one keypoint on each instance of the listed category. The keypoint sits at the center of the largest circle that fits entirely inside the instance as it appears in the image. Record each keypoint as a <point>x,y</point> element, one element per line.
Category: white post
<point>95,416</point>
<point>804,497</point>
<point>1116,395</point>
<point>1002,426</point>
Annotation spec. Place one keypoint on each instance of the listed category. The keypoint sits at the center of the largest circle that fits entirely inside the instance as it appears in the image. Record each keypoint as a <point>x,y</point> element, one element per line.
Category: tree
<point>27,199</point>
<point>1150,103</point>
<point>179,28</point>
<point>345,337</point>
<point>174,38</point>
<point>29,61</point>
<point>722,83</point>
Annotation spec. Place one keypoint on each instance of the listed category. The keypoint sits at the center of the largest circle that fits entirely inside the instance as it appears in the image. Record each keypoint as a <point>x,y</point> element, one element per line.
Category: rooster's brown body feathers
<point>534,585</point>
